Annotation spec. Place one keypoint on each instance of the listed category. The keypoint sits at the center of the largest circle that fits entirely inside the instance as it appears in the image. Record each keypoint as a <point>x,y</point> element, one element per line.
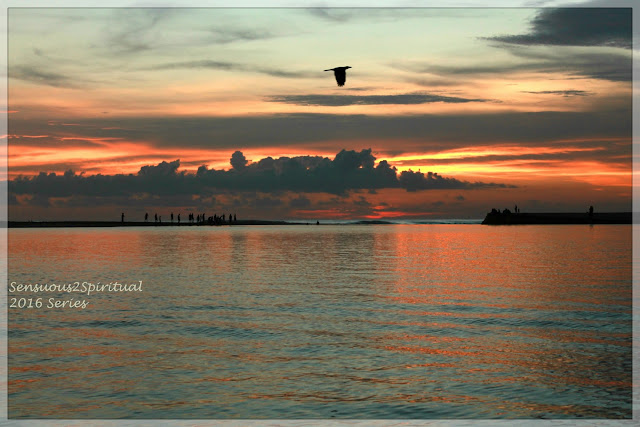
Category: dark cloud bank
<point>349,170</point>
<point>343,100</point>
<point>456,130</point>
<point>563,28</point>
<point>565,93</point>
<point>577,27</point>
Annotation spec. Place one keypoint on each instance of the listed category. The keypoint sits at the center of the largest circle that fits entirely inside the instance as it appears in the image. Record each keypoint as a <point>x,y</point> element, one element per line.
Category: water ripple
<point>382,322</point>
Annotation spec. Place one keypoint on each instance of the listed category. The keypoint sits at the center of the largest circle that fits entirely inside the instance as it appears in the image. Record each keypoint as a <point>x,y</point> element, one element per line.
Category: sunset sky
<point>446,113</point>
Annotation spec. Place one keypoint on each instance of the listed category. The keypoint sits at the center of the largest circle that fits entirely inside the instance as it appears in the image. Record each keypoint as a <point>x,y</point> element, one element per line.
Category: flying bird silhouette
<point>340,73</point>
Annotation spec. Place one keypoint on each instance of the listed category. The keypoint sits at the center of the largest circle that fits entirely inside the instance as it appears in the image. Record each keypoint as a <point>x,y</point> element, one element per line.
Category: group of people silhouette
<point>194,219</point>
<point>213,220</point>
<point>506,210</point>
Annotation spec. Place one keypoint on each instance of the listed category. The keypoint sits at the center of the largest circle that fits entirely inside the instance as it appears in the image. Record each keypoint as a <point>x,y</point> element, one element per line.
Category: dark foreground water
<point>401,322</point>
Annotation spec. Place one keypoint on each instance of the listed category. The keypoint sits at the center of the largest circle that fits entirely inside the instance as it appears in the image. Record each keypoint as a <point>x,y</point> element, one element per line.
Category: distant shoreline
<point>57,224</point>
<point>78,224</point>
<point>490,219</point>
<point>558,218</point>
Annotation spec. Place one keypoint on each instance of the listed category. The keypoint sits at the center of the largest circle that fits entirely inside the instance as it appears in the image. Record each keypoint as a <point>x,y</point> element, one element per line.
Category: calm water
<point>405,321</point>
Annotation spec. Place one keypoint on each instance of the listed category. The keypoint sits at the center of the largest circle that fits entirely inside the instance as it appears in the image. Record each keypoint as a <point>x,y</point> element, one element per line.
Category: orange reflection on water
<point>22,383</point>
<point>431,365</point>
<point>426,350</point>
<point>429,338</point>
